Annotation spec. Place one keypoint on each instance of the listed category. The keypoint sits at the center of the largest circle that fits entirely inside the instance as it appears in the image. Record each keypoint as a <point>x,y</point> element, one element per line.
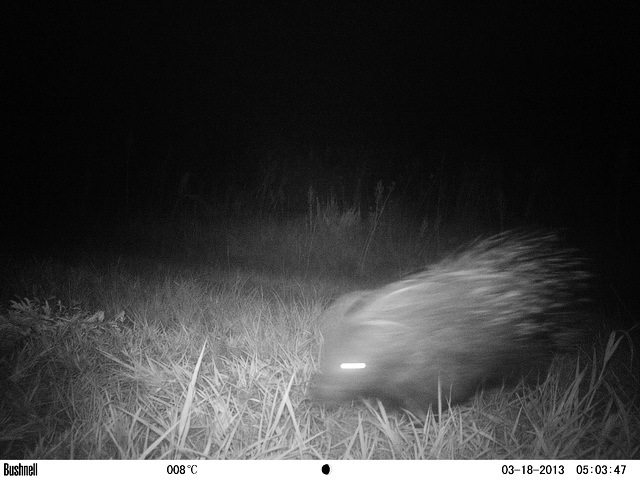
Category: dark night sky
<point>97,94</point>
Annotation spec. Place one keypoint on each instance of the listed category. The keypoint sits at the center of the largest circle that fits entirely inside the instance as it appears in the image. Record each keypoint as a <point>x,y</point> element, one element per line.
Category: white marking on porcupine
<point>495,312</point>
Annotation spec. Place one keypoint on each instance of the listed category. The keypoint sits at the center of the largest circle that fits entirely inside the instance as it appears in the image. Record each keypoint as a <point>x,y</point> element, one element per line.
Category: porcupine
<point>494,313</point>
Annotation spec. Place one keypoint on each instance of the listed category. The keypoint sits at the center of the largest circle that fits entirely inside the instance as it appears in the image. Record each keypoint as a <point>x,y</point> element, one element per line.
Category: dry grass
<point>216,365</point>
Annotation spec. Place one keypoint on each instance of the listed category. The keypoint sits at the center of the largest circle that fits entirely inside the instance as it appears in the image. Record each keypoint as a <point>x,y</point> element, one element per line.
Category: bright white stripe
<point>353,366</point>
